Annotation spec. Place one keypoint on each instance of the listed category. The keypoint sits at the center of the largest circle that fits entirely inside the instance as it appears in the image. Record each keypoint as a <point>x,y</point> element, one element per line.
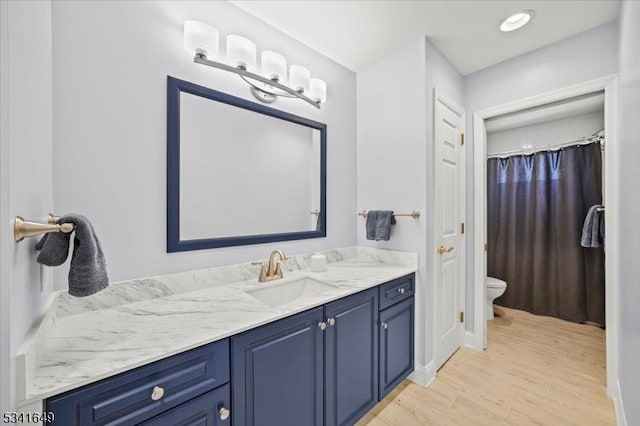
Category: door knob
<point>385,325</point>
<point>322,325</point>
<point>331,321</point>
<point>443,249</point>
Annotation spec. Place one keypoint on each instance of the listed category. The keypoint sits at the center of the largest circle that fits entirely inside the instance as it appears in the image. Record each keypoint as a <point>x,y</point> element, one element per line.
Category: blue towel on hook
<point>379,224</point>
<point>88,271</point>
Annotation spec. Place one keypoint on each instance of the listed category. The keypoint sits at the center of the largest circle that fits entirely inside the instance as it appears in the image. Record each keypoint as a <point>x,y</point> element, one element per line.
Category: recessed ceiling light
<point>517,20</point>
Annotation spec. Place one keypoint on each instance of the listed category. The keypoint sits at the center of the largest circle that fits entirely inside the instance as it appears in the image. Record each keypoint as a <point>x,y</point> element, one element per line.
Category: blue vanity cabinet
<point>351,357</point>
<point>210,409</point>
<point>396,345</point>
<point>327,366</point>
<point>397,290</point>
<point>141,394</point>
<point>277,373</point>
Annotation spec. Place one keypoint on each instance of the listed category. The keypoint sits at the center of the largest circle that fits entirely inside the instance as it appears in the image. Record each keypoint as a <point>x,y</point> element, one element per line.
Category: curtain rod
<point>595,138</point>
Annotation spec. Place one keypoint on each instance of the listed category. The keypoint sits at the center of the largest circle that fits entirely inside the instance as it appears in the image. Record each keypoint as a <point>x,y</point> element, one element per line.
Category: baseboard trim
<point>618,406</point>
<point>423,374</point>
<point>470,341</point>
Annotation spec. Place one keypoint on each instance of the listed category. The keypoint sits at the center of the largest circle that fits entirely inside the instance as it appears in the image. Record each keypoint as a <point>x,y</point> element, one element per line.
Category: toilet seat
<point>495,283</point>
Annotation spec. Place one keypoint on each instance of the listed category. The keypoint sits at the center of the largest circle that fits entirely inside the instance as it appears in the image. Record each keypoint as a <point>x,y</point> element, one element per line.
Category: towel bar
<point>23,228</point>
<point>414,214</point>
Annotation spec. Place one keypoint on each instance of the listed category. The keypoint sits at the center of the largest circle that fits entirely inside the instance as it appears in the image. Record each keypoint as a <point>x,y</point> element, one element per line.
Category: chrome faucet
<point>273,270</point>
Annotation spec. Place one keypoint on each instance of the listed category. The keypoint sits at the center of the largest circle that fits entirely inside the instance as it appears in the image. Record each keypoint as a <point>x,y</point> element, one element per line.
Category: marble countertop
<point>95,342</point>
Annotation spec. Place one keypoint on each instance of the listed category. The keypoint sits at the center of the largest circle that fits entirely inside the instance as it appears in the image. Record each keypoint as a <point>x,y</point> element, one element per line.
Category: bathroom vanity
<point>227,354</point>
<point>333,362</point>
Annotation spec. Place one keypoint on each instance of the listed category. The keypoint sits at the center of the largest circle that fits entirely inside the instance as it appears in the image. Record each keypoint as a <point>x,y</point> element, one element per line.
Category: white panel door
<point>449,209</point>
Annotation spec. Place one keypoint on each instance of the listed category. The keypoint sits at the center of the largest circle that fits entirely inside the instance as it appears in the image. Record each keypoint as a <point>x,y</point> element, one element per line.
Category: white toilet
<point>495,288</point>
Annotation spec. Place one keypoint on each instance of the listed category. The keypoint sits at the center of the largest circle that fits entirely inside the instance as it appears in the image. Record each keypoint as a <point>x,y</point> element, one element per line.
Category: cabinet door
<point>277,373</point>
<point>351,357</point>
<point>210,409</point>
<point>396,345</point>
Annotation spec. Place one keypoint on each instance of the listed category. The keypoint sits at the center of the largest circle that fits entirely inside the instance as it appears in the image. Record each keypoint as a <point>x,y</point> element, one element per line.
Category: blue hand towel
<point>88,272</point>
<point>379,224</point>
<point>593,228</point>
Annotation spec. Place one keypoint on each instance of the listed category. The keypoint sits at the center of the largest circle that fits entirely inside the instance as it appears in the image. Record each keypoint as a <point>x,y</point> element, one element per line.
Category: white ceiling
<point>358,33</point>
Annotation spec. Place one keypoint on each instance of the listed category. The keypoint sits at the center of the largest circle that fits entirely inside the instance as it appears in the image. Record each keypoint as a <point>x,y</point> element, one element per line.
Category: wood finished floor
<point>535,371</point>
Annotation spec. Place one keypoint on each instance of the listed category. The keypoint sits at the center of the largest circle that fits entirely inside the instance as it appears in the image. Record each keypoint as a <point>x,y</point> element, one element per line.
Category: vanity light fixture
<point>318,89</point>
<point>269,81</point>
<point>274,66</point>
<point>241,52</point>
<point>200,38</point>
<point>299,78</point>
<point>517,20</point>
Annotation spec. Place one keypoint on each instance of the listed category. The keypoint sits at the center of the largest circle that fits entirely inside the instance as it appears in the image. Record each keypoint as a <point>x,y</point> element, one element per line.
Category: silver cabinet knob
<point>385,325</point>
<point>322,325</point>
<point>401,290</point>
<point>224,413</point>
<point>331,321</point>
<point>157,393</point>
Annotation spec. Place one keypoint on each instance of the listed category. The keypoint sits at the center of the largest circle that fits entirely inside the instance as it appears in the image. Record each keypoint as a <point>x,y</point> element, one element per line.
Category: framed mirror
<point>239,172</point>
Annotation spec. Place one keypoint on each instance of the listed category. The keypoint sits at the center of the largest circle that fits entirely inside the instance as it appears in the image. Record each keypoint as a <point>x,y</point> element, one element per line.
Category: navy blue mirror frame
<point>174,243</point>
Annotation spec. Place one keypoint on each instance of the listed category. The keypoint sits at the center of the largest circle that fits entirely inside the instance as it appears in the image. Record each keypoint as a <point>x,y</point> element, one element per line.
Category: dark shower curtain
<point>536,209</point>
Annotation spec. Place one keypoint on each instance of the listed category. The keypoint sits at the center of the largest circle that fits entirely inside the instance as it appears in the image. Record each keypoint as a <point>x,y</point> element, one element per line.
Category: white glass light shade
<point>274,66</point>
<point>318,91</point>
<point>299,78</point>
<point>241,52</point>
<point>200,38</point>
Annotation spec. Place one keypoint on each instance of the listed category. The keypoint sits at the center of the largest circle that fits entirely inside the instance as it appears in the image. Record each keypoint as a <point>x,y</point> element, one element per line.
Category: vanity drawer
<point>140,394</point>
<point>396,290</point>
<point>210,409</point>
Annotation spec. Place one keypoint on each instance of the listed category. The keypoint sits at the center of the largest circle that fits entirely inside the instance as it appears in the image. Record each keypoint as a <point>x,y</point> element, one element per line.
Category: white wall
<point>584,57</point>
<point>395,156</point>
<point>629,113</point>
<point>111,61</point>
<point>26,179</point>
<point>392,154</point>
<point>546,134</point>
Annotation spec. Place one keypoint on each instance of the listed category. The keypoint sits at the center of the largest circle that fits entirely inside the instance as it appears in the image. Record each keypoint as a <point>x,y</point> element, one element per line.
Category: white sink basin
<point>277,294</point>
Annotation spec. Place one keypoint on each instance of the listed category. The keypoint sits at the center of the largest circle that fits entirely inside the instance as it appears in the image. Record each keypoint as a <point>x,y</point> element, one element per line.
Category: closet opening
<point>545,211</point>
<point>545,206</point>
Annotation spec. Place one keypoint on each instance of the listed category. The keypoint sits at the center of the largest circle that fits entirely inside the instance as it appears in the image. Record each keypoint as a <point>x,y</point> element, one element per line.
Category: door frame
<point>6,237</point>
<point>439,95</point>
<point>608,84</point>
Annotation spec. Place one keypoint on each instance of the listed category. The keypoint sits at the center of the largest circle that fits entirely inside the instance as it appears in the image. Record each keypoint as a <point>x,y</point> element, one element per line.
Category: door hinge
<point>461,316</point>
<point>462,228</point>
<point>486,246</point>
<point>461,138</point>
